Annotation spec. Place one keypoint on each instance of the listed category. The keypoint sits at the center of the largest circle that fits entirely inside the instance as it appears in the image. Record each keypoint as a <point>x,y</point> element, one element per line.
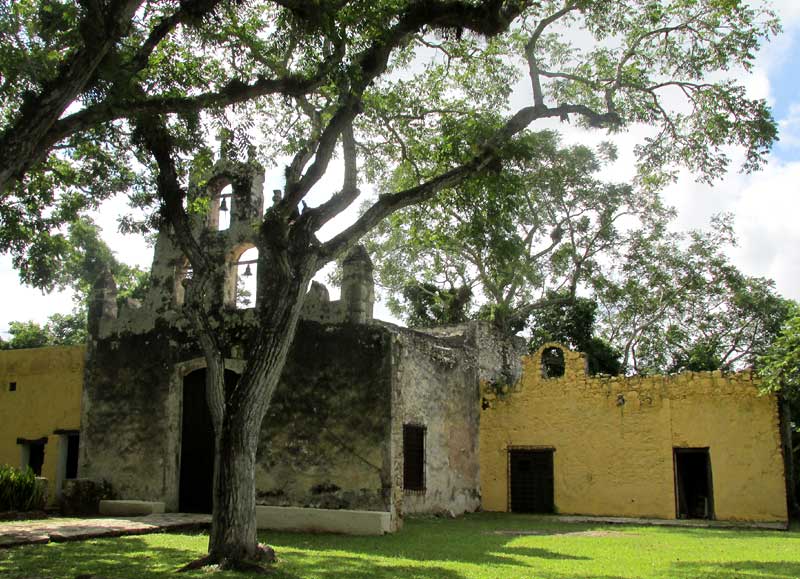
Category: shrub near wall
<point>19,491</point>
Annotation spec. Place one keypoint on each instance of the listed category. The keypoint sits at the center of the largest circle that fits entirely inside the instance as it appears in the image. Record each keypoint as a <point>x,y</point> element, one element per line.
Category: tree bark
<point>233,542</point>
<point>233,536</point>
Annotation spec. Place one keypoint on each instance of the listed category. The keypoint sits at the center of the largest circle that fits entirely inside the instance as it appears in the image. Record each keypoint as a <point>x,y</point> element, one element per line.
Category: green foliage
<point>59,330</point>
<point>779,366</point>
<point>571,321</point>
<point>542,220</point>
<point>432,306</point>
<point>84,257</point>
<point>18,490</point>
<point>675,302</point>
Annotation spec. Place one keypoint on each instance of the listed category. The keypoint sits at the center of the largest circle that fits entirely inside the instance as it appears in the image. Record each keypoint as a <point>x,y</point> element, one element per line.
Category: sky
<point>766,204</point>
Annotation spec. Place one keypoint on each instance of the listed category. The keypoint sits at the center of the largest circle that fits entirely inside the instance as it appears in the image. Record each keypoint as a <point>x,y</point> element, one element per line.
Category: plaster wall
<point>47,398</point>
<point>613,440</point>
<point>435,386</point>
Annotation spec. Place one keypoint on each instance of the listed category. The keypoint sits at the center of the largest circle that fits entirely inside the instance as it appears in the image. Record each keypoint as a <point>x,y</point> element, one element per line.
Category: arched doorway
<point>197,444</point>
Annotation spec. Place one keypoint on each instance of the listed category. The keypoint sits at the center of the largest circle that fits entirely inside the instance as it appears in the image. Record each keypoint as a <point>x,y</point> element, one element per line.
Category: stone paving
<point>73,529</point>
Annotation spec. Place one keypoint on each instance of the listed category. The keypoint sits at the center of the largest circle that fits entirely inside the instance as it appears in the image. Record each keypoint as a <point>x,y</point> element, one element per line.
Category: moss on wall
<point>324,440</point>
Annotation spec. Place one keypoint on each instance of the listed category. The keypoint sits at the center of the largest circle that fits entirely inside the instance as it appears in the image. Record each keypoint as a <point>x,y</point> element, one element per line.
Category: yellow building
<point>40,411</point>
<point>692,445</point>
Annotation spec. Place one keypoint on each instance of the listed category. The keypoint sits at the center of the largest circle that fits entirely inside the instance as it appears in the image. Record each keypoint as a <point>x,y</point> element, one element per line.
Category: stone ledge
<point>324,520</point>
<point>130,508</point>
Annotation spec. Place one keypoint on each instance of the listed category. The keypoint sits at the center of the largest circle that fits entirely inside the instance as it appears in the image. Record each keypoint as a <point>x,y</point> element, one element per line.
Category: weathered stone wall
<point>436,386</point>
<point>46,399</point>
<point>324,440</point>
<point>614,440</point>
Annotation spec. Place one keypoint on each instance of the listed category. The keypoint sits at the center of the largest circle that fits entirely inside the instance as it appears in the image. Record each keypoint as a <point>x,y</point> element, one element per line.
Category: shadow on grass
<point>121,557</point>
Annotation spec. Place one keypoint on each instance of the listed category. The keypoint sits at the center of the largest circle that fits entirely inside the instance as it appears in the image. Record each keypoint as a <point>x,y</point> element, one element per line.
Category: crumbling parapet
<point>358,294</point>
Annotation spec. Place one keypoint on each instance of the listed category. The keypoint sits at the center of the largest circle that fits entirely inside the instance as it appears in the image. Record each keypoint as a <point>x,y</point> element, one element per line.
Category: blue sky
<point>766,205</point>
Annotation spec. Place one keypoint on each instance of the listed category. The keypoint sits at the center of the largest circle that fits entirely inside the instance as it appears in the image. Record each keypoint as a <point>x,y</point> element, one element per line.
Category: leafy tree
<point>85,256</point>
<point>60,330</point>
<point>90,87</point>
<point>779,366</point>
<point>675,302</point>
<point>431,306</point>
<point>542,223</point>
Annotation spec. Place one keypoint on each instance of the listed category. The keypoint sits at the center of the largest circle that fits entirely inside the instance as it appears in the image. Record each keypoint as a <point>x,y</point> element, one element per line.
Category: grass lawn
<point>485,546</point>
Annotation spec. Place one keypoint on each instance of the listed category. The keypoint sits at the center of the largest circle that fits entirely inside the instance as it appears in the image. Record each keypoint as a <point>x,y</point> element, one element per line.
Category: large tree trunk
<point>233,542</point>
<point>233,528</point>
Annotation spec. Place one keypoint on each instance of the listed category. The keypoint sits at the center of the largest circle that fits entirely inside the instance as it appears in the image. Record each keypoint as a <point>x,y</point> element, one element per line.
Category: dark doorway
<point>693,484</point>
<point>36,457</point>
<point>531,480</point>
<point>197,444</point>
<point>73,441</point>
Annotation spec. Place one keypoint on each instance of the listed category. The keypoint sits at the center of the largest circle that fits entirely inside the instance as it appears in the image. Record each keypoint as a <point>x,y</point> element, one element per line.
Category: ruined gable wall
<point>614,440</point>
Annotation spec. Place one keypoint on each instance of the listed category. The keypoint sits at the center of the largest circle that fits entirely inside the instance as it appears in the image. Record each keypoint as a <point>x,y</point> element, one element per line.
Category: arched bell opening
<point>241,285</point>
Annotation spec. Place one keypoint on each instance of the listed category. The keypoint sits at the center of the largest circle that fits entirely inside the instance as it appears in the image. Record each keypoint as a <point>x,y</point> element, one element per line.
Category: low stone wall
<point>325,520</point>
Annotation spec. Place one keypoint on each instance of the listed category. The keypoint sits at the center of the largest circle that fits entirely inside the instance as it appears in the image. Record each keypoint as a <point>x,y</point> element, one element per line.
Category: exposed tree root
<point>261,565</point>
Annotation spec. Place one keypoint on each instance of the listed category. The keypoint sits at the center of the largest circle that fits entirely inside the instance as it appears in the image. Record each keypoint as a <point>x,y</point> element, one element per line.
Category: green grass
<point>475,547</point>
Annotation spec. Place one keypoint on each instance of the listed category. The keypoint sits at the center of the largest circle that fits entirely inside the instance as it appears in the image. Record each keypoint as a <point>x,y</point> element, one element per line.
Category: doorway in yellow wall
<point>530,480</point>
<point>694,488</point>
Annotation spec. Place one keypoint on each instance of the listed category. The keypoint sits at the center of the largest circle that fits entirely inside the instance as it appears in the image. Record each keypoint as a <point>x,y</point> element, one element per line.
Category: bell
<point>224,205</point>
<point>247,272</point>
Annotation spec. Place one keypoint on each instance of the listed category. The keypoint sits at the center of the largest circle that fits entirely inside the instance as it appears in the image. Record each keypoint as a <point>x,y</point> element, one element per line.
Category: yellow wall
<point>47,398</point>
<point>615,458</point>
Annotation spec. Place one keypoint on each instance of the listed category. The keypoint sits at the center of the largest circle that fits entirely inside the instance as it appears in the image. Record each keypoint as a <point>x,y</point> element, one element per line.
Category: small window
<point>553,363</point>
<point>413,457</point>
<point>12,386</point>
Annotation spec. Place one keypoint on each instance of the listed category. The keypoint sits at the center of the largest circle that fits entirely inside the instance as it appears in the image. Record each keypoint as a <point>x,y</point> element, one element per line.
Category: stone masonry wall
<point>436,387</point>
<point>324,442</point>
<point>614,439</point>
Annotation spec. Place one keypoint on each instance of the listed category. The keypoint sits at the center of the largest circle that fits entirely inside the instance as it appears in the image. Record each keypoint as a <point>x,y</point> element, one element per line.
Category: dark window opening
<point>693,484</point>
<point>36,457</point>
<point>530,480</point>
<point>72,456</point>
<point>12,386</point>
<point>553,363</point>
<point>413,457</point>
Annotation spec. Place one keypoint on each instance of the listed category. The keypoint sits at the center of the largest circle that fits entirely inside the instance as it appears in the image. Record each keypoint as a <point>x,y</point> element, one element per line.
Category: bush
<point>18,490</point>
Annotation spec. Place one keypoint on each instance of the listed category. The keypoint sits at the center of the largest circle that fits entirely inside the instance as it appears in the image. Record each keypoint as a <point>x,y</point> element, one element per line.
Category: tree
<point>675,302</point>
<point>571,321</point>
<point>60,330</point>
<point>88,86</point>
<point>84,257</point>
<point>541,224</point>
<point>779,366</point>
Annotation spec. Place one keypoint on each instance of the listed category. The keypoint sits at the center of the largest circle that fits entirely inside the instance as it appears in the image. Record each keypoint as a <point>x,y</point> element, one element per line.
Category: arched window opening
<point>246,276</point>
<point>183,273</point>
<point>553,363</point>
<point>224,205</point>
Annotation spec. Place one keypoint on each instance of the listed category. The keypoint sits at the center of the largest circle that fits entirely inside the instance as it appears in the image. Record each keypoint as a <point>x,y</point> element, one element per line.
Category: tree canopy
<point>99,97</point>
